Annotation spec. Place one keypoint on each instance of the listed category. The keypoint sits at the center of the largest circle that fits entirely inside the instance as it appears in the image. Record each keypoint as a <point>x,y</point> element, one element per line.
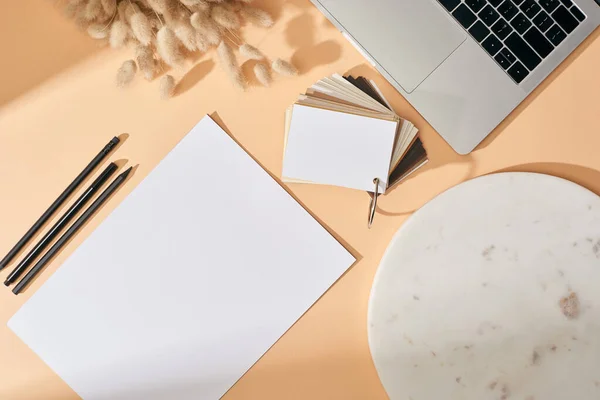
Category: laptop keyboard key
<point>503,61</point>
<point>556,35</point>
<point>464,16</point>
<point>520,23</point>
<point>449,4</point>
<point>565,19</point>
<point>492,45</point>
<point>508,10</point>
<point>543,21</point>
<point>502,29</point>
<point>549,5</point>
<point>518,72</point>
<point>540,44</point>
<point>518,34</point>
<point>488,15</point>
<point>523,51</point>
<point>508,55</point>
<point>530,8</point>
<point>475,5</point>
<point>577,13</point>
<point>479,31</point>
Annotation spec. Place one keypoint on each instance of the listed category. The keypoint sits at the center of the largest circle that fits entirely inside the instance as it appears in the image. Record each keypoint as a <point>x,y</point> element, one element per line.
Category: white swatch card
<point>193,277</point>
<point>336,148</point>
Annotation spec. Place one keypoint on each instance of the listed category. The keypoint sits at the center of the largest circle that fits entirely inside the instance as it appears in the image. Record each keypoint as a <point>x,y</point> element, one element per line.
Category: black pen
<point>71,231</point>
<point>59,201</point>
<point>61,224</point>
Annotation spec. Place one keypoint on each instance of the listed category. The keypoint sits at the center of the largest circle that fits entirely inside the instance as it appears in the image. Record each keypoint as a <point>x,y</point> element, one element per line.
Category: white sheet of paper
<point>186,284</point>
<point>338,149</point>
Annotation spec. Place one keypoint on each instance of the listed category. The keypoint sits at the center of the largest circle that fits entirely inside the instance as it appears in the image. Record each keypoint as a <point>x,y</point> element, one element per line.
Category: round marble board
<point>492,291</point>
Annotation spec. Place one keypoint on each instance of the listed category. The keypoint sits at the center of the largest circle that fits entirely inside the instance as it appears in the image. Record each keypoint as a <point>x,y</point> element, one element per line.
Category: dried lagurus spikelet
<point>230,64</point>
<point>190,3</point>
<point>201,42</point>
<point>109,6</point>
<point>256,16</point>
<point>126,73</point>
<point>146,61</point>
<point>119,33</point>
<point>93,10</point>
<point>201,5</point>
<point>207,27</point>
<point>140,25</point>
<point>167,86</point>
<point>284,68</point>
<point>263,74</point>
<point>71,8</point>
<point>160,6</point>
<point>186,33</point>
<point>122,10</point>
<point>251,52</point>
<point>98,31</point>
<point>167,45</point>
<point>225,17</point>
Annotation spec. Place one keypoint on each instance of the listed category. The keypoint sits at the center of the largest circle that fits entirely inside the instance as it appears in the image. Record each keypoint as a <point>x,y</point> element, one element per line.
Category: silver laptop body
<point>437,53</point>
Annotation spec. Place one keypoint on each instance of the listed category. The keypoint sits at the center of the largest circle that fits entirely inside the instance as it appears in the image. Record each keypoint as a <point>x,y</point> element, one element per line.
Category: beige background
<point>59,106</point>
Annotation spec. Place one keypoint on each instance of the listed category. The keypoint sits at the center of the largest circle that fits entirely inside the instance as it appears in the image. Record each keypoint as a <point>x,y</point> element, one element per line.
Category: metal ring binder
<point>373,205</point>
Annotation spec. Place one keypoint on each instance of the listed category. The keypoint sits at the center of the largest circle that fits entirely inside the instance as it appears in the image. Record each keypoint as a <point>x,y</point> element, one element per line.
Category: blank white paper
<point>339,149</point>
<point>186,284</point>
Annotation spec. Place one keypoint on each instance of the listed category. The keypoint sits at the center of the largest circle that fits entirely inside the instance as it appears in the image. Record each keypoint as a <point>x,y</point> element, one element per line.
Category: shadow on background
<point>194,75</point>
<point>587,177</point>
<point>308,53</point>
<point>37,42</point>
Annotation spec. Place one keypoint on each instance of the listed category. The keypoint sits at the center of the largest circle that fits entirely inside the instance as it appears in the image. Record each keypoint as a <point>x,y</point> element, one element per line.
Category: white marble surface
<point>465,304</point>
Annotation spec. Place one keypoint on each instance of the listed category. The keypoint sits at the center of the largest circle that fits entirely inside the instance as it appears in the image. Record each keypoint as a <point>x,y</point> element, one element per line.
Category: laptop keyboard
<point>518,34</point>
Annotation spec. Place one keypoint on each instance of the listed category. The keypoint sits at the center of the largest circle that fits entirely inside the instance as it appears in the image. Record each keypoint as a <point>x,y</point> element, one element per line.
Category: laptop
<point>464,64</point>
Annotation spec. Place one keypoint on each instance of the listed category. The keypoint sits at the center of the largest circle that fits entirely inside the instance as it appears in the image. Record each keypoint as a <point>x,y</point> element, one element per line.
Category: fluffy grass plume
<point>186,33</point>
<point>256,16</point>
<point>140,24</point>
<point>93,10</point>
<point>98,31</point>
<point>167,86</point>
<point>230,65</point>
<point>119,32</point>
<point>251,52</point>
<point>169,31</point>
<point>146,61</point>
<point>167,45</point>
<point>225,16</point>
<point>263,74</point>
<point>284,68</point>
<point>207,27</point>
<point>109,6</point>
<point>126,73</point>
